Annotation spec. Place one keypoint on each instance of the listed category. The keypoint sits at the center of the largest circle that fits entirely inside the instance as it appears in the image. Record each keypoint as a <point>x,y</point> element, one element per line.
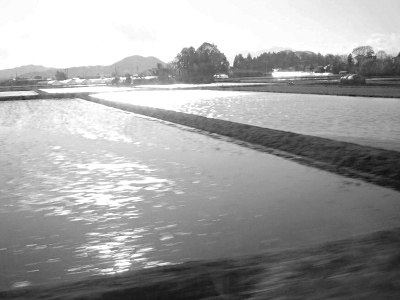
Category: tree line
<point>199,65</point>
<point>361,60</point>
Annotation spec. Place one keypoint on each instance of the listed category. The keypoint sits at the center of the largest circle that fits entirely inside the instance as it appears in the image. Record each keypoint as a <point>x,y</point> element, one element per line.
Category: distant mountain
<point>258,53</point>
<point>130,64</point>
<point>20,71</point>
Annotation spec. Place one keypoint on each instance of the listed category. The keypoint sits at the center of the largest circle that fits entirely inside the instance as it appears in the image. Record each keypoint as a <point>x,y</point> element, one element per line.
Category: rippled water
<point>87,190</point>
<point>17,93</point>
<point>86,89</point>
<point>362,120</point>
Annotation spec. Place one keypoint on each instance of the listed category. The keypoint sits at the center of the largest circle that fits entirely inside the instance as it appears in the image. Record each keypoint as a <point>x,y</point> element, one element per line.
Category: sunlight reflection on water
<point>364,120</point>
<point>100,195</point>
<point>93,190</point>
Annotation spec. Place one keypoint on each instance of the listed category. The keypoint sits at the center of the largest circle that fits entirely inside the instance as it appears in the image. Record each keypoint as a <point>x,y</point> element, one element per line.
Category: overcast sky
<point>74,33</point>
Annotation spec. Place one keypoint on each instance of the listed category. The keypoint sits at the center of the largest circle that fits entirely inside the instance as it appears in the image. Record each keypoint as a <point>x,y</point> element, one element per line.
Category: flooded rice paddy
<point>86,89</point>
<point>362,120</point>
<point>86,189</point>
<point>8,94</point>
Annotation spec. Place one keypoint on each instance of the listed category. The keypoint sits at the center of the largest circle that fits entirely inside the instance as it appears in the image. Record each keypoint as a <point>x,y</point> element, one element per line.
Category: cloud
<point>390,43</point>
<point>3,53</point>
<point>136,33</point>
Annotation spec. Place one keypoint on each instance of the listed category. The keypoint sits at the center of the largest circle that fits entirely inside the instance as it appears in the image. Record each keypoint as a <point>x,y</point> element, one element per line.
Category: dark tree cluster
<point>200,66</point>
<point>61,75</point>
<point>368,63</point>
<point>164,73</point>
<point>128,79</point>
<point>361,60</point>
<point>289,60</point>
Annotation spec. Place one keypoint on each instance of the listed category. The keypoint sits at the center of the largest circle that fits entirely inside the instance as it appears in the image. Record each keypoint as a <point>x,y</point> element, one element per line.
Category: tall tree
<point>115,80</point>
<point>60,75</point>
<point>128,79</point>
<point>239,61</point>
<point>350,62</point>
<point>368,67</point>
<point>202,64</point>
<point>364,51</point>
<point>381,55</point>
<point>249,62</point>
<point>185,62</point>
<point>361,53</point>
<point>163,72</point>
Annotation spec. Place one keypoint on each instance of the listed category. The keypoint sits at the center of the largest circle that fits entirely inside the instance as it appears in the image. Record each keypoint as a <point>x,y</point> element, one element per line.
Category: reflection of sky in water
<point>194,86</point>
<point>367,121</point>
<point>93,190</point>
<point>89,190</point>
<point>100,196</point>
<point>86,89</point>
<point>17,93</point>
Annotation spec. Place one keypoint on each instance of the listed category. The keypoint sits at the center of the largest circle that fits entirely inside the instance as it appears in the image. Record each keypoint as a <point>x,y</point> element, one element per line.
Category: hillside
<point>20,71</point>
<point>131,64</point>
<point>258,53</point>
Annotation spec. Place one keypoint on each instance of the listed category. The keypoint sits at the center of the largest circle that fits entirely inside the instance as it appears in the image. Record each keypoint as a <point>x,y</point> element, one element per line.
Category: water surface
<point>17,93</point>
<point>86,89</point>
<point>87,190</point>
<point>362,120</point>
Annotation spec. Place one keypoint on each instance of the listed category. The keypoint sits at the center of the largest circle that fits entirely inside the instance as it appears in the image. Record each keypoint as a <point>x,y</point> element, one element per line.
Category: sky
<point>71,33</point>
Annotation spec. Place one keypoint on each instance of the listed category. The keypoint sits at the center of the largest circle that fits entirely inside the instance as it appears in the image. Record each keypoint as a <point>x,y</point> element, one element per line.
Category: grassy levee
<point>41,96</point>
<point>372,164</point>
<point>364,267</point>
<point>191,280</point>
<point>369,90</point>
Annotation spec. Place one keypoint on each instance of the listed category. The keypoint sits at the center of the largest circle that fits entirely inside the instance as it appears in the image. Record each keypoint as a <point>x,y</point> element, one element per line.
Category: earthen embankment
<point>371,164</point>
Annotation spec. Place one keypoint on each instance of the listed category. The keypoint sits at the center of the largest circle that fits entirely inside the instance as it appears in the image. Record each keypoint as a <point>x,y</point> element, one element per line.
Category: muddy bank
<point>191,280</point>
<point>372,164</point>
<point>41,95</point>
<point>321,89</point>
<point>362,267</point>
